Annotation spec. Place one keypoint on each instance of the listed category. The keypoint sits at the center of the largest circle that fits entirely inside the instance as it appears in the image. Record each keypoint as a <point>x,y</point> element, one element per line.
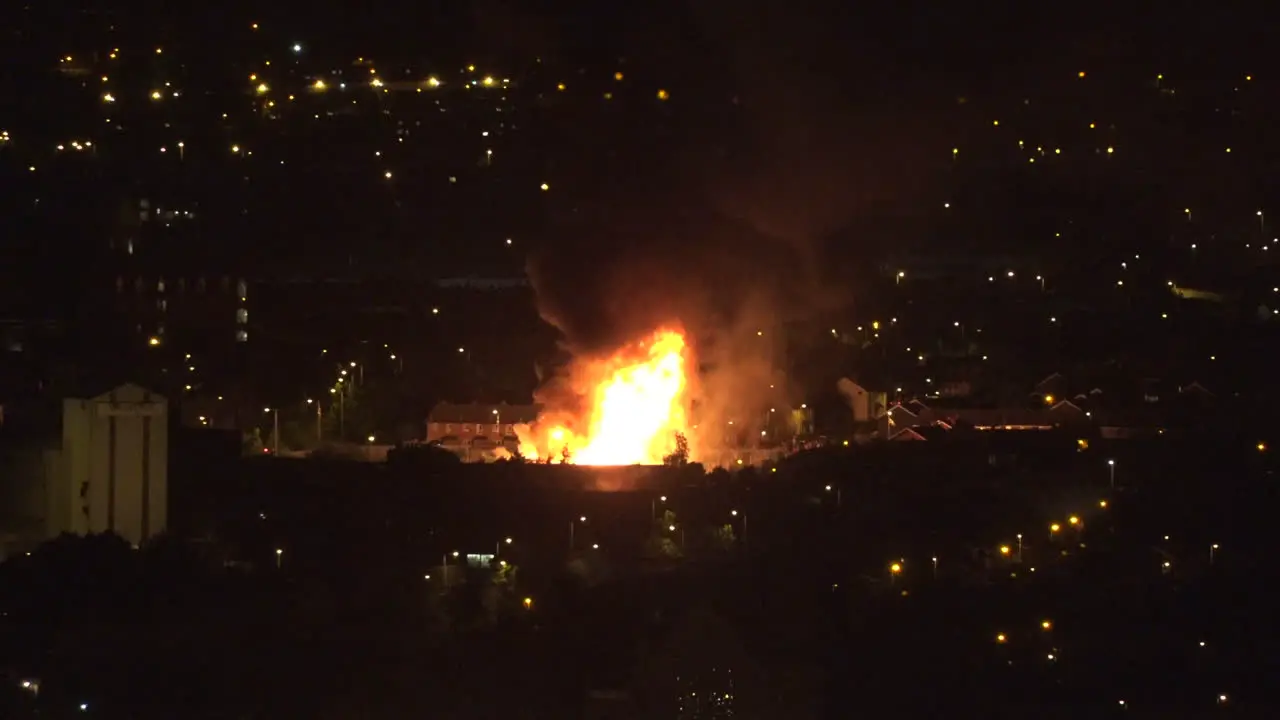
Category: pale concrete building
<point>113,473</point>
<point>105,470</point>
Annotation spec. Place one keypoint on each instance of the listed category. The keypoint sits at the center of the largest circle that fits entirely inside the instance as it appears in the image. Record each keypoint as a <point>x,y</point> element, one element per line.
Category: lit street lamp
<point>1111,465</point>
<point>275,429</point>
<point>735,513</point>
<point>653,506</point>
<point>279,557</point>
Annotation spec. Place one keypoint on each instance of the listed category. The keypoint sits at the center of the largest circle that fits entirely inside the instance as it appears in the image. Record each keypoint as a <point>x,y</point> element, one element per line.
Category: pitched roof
<point>483,413</point>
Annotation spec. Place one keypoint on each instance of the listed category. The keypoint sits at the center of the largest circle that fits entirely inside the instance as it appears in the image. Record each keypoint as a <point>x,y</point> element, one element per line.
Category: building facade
<point>111,472</point>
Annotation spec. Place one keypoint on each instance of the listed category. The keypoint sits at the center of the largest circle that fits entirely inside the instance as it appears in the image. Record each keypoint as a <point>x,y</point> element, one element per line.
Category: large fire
<point>632,408</point>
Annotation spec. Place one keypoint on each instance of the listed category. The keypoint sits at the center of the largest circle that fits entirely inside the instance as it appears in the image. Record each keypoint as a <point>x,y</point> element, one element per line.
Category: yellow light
<point>319,85</point>
<point>544,187</point>
<point>528,603</point>
<point>1046,625</point>
<point>156,95</point>
<point>1055,527</point>
<point>1004,549</point>
<point>1048,399</point>
<point>1081,74</point>
<point>875,324</point>
<point>1110,150</point>
<point>1073,520</point>
<point>895,568</point>
<point>471,68</point>
<point>1000,638</point>
<point>235,149</point>
<point>1262,447</point>
<point>487,81</point>
<point>995,123</point>
<point>1102,504</point>
<point>153,341</point>
<point>560,87</point>
<point>618,76</point>
<point>376,83</point>
<point>108,98</point>
<point>433,81</point>
<point>1092,126</point>
<point>663,95</point>
<point>262,88</point>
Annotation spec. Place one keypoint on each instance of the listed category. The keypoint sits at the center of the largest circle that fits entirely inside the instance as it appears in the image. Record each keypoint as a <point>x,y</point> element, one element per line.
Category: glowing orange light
<point>633,407</point>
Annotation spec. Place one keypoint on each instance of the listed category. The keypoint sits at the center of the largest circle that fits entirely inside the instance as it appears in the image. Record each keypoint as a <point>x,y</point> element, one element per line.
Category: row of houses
<point>1049,408</point>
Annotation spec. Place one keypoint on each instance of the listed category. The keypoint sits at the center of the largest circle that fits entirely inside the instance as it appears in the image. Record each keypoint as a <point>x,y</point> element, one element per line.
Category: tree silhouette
<point>680,456</point>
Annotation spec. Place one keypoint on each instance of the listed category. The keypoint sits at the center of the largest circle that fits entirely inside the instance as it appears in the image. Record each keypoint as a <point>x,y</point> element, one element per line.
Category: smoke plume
<point>716,217</point>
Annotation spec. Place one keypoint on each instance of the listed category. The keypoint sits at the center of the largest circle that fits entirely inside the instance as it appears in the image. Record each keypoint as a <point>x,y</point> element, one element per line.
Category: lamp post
<point>1111,465</point>
<point>573,528</point>
<point>735,513</point>
<point>319,420</point>
<point>1019,547</point>
<point>497,545</point>
<point>279,557</point>
<point>275,429</point>
<point>1212,550</point>
<point>653,506</point>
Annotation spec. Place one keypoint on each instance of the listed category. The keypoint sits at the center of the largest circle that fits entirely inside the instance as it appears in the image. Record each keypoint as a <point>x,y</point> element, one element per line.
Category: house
<point>452,423</point>
<point>916,415</point>
<point>1055,385</point>
<point>1196,390</point>
<point>922,433</point>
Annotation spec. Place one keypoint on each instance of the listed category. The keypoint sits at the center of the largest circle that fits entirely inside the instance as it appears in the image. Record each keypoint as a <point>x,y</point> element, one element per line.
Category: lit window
<point>160,285</point>
<point>162,304</point>
<point>242,336</point>
<point>242,289</point>
<point>242,316</point>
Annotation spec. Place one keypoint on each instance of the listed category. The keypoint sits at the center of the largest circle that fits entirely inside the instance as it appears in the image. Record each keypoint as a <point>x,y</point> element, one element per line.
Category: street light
<point>653,506</point>
<point>279,556</point>
<point>734,513</point>
<point>275,429</point>
<point>573,528</point>
<point>1111,465</point>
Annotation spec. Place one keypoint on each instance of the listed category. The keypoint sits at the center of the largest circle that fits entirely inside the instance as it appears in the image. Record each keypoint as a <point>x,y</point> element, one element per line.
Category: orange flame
<point>634,408</point>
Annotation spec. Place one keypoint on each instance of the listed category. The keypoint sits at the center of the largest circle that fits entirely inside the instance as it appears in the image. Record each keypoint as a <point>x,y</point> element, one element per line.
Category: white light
<point>297,48</point>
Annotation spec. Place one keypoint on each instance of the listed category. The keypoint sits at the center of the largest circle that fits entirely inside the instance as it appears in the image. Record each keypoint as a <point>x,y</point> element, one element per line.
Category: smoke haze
<point>717,221</point>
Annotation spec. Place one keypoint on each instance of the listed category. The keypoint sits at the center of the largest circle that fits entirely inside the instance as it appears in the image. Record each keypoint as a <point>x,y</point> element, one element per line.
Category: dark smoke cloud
<point>716,217</point>
<point>774,150</point>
